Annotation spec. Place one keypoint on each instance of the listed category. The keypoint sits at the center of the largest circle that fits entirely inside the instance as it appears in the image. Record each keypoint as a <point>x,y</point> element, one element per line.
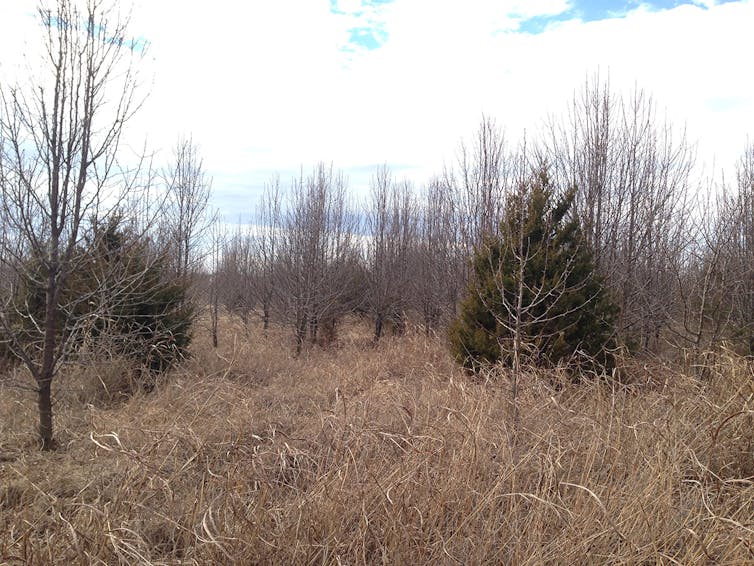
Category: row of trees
<point>675,256</point>
<point>313,256</point>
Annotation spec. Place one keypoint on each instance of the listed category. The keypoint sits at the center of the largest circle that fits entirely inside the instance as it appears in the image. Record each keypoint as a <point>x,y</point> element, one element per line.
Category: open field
<point>357,454</point>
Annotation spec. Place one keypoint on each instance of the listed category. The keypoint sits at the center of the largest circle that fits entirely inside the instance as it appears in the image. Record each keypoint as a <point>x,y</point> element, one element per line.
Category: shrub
<point>117,301</point>
<point>534,295</point>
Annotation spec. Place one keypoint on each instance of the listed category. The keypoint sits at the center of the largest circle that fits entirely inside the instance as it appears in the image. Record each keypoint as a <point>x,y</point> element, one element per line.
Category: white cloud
<point>268,85</point>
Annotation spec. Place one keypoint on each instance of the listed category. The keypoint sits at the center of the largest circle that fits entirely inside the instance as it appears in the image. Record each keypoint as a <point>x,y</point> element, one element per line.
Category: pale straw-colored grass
<point>389,454</point>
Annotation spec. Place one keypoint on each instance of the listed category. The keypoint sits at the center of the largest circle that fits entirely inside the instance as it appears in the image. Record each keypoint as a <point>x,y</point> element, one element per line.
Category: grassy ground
<point>358,454</point>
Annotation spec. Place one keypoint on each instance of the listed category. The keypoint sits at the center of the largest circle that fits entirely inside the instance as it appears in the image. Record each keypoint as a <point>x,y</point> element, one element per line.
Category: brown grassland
<point>390,454</point>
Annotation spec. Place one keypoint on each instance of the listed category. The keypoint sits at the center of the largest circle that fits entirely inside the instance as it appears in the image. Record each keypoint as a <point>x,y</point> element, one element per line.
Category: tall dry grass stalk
<point>382,455</point>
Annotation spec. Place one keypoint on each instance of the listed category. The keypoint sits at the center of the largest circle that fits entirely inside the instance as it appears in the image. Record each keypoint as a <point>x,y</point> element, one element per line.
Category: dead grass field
<point>358,454</point>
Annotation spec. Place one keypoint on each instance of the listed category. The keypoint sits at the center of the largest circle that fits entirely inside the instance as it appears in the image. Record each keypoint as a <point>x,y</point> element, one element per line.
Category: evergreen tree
<point>535,297</point>
<point>119,300</point>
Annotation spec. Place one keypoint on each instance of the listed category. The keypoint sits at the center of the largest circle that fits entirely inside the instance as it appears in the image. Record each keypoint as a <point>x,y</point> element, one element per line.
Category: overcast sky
<point>266,86</point>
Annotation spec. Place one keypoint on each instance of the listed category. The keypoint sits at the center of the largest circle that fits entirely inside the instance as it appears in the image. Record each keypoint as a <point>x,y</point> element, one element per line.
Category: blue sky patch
<point>369,32</point>
<point>366,37</point>
<point>594,10</point>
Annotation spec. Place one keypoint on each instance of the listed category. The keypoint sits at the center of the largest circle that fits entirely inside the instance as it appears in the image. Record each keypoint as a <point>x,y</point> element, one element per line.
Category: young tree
<point>267,241</point>
<point>480,184</point>
<point>59,137</point>
<point>319,255</point>
<point>632,173</point>
<point>217,240</point>
<point>186,221</point>
<point>535,298</point>
<point>391,227</point>
<point>439,262</point>
<point>135,308</point>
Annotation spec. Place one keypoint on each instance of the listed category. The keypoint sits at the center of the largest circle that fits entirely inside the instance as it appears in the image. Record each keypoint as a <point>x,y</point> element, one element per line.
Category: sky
<point>266,87</point>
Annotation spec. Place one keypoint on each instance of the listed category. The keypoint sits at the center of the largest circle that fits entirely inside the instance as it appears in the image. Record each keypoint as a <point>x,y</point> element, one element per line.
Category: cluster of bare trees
<point>740,217</point>
<point>714,295</point>
<point>313,255</point>
<point>676,257</point>
<point>391,232</point>
<point>634,198</point>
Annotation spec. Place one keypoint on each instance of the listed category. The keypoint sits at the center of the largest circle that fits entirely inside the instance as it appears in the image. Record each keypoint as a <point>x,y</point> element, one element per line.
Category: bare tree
<point>741,211</point>
<point>237,273</point>
<point>705,281</point>
<point>745,240</point>
<point>391,229</point>
<point>715,274</point>
<point>319,254</point>
<point>59,139</point>
<point>439,261</point>
<point>250,260</point>
<point>632,174</point>
<point>186,222</point>
<point>267,241</point>
<point>217,240</point>
<point>480,184</point>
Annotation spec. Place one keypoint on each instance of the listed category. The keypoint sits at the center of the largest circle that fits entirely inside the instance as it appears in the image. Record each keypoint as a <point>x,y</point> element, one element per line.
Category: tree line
<point>675,255</point>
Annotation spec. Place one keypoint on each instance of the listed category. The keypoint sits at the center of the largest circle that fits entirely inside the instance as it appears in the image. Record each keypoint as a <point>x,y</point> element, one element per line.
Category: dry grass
<point>381,455</point>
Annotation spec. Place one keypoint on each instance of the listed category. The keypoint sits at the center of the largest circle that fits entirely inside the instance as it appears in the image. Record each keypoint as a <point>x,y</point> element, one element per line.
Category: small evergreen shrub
<point>119,301</point>
<point>536,280</point>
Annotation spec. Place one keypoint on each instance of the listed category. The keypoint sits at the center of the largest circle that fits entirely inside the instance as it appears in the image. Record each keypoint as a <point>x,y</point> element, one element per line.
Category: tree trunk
<point>378,321</point>
<point>313,329</point>
<point>301,334</point>
<point>51,335</point>
<point>215,318</point>
<point>44,403</point>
